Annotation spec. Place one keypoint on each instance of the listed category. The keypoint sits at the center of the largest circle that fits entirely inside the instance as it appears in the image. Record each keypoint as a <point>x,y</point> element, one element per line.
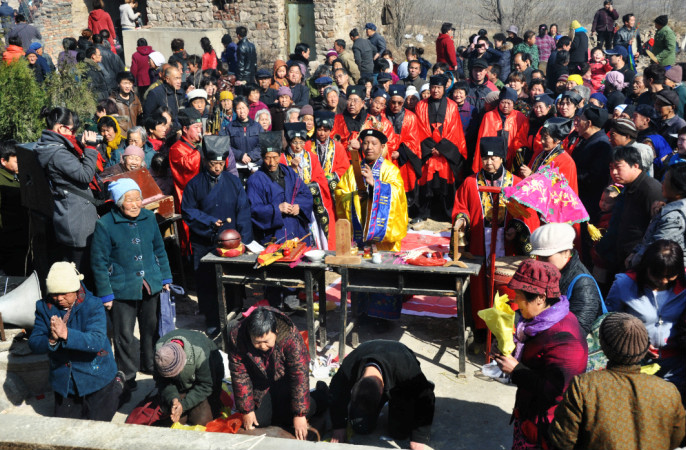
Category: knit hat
<point>370,26</point>
<point>197,93</point>
<point>332,52</point>
<point>306,110</point>
<point>674,74</point>
<point>577,79</point>
<point>492,97</point>
<point>170,359</point>
<point>63,278</point>
<point>36,45</point>
<point>121,186</point>
<point>616,79</point>
<point>425,87</point>
<point>625,127</point>
<point>411,90</point>
<point>284,90</point>
<point>600,97</point>
<point>225,95</point>
<point>507,93</point>
<point>575,25</point>
<point>564,77</point>
<point>133,150</point>
<point>623,338</point>
<point>157,58</point>
<point>536,277</point>
<point>662,20</point>
<point>552,238</point>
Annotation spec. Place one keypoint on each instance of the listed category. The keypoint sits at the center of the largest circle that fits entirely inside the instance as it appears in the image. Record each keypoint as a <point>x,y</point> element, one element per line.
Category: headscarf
<point>114,143</point>
<point>278,82</point>
<point>616,79</point>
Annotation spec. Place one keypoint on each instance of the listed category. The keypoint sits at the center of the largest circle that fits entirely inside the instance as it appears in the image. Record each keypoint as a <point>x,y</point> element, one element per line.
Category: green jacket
<point>532,50</point>
<point>664,47</point>
<point>14,218</point>
<point>195,380</point>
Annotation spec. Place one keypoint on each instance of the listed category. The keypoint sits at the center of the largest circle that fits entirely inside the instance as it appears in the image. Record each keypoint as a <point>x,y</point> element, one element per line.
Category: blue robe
<point>265,196</point>
<point>203,205</point>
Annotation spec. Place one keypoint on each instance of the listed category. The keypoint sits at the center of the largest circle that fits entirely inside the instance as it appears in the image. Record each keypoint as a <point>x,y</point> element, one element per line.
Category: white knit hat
<point>63,278</point>
<point>552,238</point>
<point>157,58</point>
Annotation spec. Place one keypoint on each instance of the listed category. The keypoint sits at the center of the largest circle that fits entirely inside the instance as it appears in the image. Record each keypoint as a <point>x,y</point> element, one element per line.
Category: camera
<point>98,139</point>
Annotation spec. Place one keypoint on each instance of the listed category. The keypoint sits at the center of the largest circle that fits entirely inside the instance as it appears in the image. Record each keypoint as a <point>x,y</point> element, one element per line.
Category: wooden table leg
<point>322,308</point>
<point>461,344</point>
<point>344,313</point>
<point>309,296</point>
<point>223,334</point>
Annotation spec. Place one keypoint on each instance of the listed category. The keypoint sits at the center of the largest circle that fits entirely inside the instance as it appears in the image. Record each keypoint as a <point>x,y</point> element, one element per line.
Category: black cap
<point>271,141</point>
<point>668,97</point>
<point>662,20</point>
<point>558,127</point>
<point>438,80</point>
<point>324,119</point>
<point>215,148</point>
<point>479,63</point>
<point>544,98</point>
<point>493,146</point>
<point>383,77</point>
<point>597,116</point>
<point>573,97</point>
<point>295,130</point>
<point>189,116</point>
<point>358,90</point>
<point>380,92</point>
<point>375,133</point>
<point>397,90</point>
<point>263,73</point>
<point>647,111</point>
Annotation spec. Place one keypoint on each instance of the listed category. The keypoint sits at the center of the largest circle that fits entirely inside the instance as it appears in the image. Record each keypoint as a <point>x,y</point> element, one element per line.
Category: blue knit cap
<point>121,186</point>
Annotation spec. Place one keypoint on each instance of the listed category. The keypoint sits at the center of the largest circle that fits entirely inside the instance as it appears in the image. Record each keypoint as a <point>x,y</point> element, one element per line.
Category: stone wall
<point>59,19</point>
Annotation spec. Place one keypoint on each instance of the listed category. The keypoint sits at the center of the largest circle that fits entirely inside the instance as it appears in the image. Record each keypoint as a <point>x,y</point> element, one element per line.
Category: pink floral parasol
<point>548,192</point>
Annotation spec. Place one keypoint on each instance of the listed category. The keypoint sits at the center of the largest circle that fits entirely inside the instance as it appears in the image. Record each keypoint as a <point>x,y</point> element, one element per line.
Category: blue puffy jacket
<point>245,138</point>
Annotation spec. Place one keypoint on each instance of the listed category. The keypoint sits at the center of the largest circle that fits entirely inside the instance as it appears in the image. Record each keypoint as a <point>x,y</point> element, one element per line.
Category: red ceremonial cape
<point>317,176</point>
<point>446,137</point>
<point>517,126</point>
<point>409,161</point>
<point>342,132</point>
<point>340,161</point>
<point>184,162</point>
<point>468,202</point>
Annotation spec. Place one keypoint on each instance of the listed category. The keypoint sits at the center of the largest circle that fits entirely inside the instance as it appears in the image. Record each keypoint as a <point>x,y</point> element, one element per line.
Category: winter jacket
<point>112,64</point>
<point>664,47</point>
<point>14,219</point>
<point>638,200</point>
<point>669,224</point>
<point>140,66</point>
<point>26,33</point>
<point>99,20</point>
<point>548,362</point>
<point>83,363</point>
<point>348,60</point>
<point>624,296</point>
<point>196,378</point>
<point>253,371</point>
<point>164,95</point>
<point>301,95</point>
<point>584,300</point>
<point>364,55</point>
<point>546,45</point>
<point>96,80</point>
<point>532,50</point>
<point>229,56</point>
<point>578,53</point>
<point>74,217</point>
<point>126,254</point>
<point>209,60</point>
<point>12,53</point>
<point>625,36</point>
<point>592,157</point>
<point>246,55</point>
<point>604,20</point>
<point>378,42</point>
<point>245,138</point>
<point>127,16</point>
<point>128,110</point>
<point>502,57</point>
<point>445,50</point>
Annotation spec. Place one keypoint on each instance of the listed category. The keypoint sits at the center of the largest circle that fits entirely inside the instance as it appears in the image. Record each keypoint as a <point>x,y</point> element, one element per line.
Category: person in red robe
<point>444,152</point>
<point>377,110</point>
<point>184,162</point>
<point>306,164</point>
<point>504,121</point>
<point>332,156</point>
<point>567,107</point>
<point>408,156</point>
<point>472,211</point>
<point>355,118</point>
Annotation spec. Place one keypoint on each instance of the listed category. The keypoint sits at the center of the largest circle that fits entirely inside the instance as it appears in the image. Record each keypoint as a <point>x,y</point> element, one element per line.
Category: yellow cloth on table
<point>397,220</point>
<point>178,426</point>
<point>500,320</point>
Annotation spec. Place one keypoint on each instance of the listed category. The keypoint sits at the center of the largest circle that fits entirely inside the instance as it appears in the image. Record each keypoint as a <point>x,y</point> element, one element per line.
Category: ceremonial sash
<point>376,219</point>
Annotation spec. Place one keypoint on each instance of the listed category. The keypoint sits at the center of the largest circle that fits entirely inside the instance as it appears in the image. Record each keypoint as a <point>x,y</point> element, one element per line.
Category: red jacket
<point>184,162</point>
<point>140,66</point>
<point>445,50</point>
<point>409,160</point>
<point>12,53</point>
<point>253,372</point>
<point>517,126</point>
<point>209,60</point>
<point>364,120</point>
<point>99,20</point>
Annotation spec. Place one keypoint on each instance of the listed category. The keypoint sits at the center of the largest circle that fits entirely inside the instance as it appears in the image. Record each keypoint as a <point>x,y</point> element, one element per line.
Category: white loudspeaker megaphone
<point>18,306</point>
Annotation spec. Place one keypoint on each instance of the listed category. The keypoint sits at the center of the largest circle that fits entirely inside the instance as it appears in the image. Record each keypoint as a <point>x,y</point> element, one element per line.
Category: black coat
<point>96,80</point>
<point>410,395</point>
<point>584,302</point>
<point>164,95</point>
<point>592,157</point>
<point>301,95</point>
<point>247,61</point>
<point>578,53</point>
<point>364,55</point>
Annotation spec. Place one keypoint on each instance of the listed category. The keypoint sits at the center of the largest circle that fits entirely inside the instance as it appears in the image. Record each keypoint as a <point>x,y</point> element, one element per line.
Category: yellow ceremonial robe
<point>389,206</point>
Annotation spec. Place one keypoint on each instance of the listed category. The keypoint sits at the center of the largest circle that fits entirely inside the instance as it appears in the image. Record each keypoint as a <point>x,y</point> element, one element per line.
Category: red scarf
<point>156,143</point>
<point>79,154</point>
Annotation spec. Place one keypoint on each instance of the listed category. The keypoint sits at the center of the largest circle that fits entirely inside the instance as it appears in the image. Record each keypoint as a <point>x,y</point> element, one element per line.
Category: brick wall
<point>59,19</point>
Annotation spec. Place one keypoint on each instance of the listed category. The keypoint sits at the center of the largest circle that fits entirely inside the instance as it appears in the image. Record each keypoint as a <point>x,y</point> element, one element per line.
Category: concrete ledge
<point>30,433</point>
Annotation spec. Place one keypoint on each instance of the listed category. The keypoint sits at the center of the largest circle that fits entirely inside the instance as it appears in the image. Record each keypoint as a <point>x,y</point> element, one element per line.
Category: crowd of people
<point>281,149</point>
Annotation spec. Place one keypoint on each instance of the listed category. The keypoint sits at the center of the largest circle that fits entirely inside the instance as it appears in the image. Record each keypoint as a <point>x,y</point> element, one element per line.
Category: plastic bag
<point>500,320</point>
<point>229,424</point>
<point>492,370</point>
